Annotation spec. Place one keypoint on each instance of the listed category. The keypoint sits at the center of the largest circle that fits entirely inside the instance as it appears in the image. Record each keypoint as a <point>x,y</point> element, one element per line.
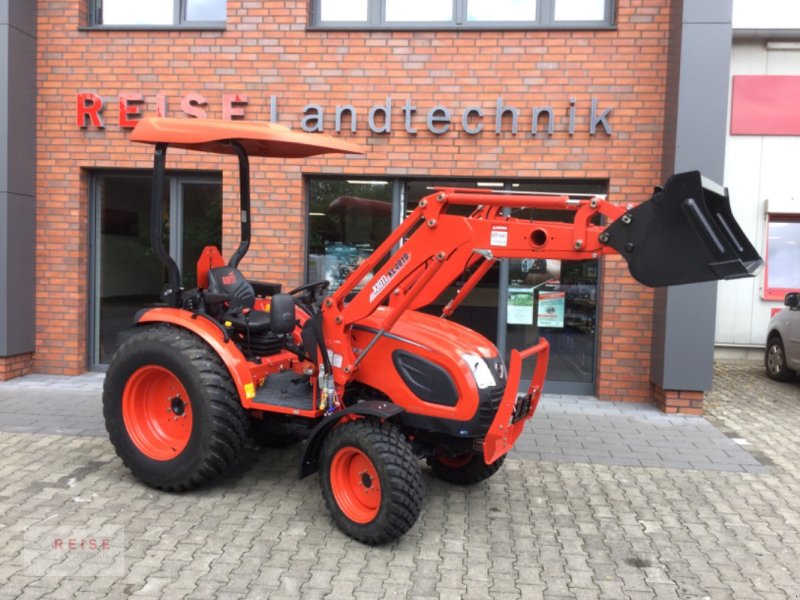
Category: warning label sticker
<point>499,236</point>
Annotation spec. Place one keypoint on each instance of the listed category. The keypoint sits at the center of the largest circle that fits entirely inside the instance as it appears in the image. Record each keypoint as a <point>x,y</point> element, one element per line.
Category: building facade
<point>761,156</point>
<point>596,96</point>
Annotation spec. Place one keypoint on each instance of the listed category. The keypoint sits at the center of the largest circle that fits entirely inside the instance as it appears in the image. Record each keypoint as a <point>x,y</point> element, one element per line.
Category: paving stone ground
<point>555,522</point>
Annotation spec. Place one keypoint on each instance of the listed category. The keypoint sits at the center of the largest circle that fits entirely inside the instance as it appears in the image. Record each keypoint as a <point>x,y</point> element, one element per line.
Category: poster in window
<point>520,306</point>
<point>551,309</point>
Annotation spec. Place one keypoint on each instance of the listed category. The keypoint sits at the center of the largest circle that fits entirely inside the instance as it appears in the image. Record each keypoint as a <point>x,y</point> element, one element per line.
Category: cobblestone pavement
<point>566,528</point>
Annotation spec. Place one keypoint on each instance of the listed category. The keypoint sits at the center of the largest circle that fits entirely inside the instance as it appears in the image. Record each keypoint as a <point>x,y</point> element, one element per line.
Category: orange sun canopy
<point>258,139</point>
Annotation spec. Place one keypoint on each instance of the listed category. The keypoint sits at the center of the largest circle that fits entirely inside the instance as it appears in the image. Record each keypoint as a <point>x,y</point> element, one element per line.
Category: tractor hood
<point>433,333</point>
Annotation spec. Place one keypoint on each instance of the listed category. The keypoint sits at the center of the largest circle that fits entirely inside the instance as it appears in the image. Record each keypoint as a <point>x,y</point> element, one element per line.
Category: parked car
<point>782,358</point>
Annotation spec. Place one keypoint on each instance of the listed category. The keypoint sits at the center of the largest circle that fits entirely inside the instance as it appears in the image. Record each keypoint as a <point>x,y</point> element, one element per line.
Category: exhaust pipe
<point>685,233</point>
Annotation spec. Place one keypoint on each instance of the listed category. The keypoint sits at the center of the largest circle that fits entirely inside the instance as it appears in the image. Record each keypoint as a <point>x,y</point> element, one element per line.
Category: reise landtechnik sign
<point>384,117</point>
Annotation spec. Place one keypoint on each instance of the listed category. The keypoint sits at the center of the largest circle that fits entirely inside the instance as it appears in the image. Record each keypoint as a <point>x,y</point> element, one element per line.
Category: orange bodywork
<point>258,139</point>
<point>247,376</point>
<point>362,328</point>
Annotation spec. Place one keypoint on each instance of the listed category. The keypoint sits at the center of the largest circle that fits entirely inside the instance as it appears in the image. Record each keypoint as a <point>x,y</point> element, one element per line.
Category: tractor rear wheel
<point>371,480</point>
<point>464,469</point>
<point>171,409</point>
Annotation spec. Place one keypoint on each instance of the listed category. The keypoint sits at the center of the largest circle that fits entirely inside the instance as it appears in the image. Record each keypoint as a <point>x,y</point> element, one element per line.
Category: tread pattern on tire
<point>785,374</point>
<point>398,469</point>
<point>473,472</point>
<point>227,421</point>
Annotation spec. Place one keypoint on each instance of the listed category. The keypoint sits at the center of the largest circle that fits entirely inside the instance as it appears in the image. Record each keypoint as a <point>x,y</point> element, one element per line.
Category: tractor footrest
<point>287,390</point>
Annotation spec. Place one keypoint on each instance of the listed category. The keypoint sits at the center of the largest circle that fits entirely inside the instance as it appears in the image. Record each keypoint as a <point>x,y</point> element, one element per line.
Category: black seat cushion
<point>230,281</point>
<point>255,321</point>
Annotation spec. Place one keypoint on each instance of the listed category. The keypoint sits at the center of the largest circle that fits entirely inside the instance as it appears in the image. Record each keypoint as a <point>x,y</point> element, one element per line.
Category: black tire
<point>775,360</point>
<point>466,470</point>
<point>218,427</point>
<point>399,479</point>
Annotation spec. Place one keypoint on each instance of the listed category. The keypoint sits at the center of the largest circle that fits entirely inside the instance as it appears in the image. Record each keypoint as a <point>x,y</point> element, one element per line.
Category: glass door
<point>478,311</point>
<point>555,300</point>
<point>126,274</point>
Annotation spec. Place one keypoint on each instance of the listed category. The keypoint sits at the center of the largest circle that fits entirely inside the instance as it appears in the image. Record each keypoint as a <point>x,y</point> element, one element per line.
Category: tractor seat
<point>240,297</point>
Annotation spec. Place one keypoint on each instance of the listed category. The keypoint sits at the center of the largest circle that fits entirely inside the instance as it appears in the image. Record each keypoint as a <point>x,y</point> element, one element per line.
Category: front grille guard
<point>511,416</point>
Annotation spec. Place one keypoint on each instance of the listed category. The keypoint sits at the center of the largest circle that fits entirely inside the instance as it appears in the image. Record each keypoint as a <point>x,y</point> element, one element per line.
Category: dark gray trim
<point>682,351</point>
<point>17,176</point>
<point>178,27</point>
<point>766,34</point>
<point>511,26</point>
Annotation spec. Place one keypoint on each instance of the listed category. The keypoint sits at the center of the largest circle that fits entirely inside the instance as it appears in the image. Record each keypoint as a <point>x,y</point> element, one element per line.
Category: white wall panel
<point>756,168</point>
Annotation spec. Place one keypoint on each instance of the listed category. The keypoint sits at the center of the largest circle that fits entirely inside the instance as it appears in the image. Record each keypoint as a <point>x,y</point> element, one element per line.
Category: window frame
<point>376,11</point>
<point>768,292</point>
<point>173,179</point>
<point>178,20</point>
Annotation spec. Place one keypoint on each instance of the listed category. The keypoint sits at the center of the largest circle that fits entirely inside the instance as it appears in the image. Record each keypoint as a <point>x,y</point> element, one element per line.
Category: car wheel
<point>775,360</point>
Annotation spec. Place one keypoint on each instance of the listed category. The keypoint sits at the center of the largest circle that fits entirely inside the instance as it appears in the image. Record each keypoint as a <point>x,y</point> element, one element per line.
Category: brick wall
<point>266,50</point>
<point>678,401</point>
<point>15,366</point>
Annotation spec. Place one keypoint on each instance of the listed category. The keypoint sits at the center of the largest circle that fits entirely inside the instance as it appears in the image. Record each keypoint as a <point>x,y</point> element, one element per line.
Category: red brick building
<point>436,102</point>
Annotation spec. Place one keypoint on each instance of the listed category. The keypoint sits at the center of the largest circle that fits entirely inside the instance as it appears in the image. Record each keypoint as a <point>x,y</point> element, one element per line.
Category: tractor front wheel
<point>371,481</point>
<point>171,409</point>
<point>464,469</point>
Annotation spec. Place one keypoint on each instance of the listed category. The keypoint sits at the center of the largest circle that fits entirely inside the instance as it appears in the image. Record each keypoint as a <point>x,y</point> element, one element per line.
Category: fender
<point>212,335</point>
<point>309,461</point>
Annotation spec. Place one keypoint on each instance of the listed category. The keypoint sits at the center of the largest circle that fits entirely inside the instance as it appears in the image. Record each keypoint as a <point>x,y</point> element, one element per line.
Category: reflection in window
<point>142,12</point>
<point>205,10</point>
<point>343,10</point>
<point>580,10</point>
<point>127,275</point>
<point>455,14</point>
<point>783,256</point>
<point>347,220</point>
<point>501,10</point>
<point>159,12</point>
<point>419,10</point>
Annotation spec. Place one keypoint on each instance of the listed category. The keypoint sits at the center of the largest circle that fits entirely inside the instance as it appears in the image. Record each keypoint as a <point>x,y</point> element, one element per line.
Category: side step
<point>287,393</point>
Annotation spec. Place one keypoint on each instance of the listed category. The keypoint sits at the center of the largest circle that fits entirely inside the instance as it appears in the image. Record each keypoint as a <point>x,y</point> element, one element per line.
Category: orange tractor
<point>370,383</point>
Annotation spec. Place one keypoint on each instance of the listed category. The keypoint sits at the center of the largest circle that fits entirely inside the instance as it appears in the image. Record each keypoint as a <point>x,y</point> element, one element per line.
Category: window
<point>458,14</point>
<point>159,13</point>
<point>782,273</point>
<point>516,302</point>
<point>347,220</point>
<point>126,275</point>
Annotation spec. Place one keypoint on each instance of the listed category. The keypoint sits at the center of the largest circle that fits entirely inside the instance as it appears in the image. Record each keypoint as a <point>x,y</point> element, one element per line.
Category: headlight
<point>480,370</point>
<point>500,368</point>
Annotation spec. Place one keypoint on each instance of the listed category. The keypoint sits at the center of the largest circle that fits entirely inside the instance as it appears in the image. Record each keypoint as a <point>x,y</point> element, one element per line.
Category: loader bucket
<point>685,233</point>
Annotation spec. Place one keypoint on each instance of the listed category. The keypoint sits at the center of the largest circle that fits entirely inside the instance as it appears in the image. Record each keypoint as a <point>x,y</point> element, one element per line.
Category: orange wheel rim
<point>157,412</point>
<point>454,462</point>
<point>355,485</point>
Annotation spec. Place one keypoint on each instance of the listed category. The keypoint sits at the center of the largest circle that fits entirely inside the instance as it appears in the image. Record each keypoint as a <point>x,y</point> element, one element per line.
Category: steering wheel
<point>309,296</point>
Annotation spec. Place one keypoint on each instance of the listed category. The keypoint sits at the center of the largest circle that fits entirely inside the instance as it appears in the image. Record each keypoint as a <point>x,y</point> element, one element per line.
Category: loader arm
<point>685,233</point>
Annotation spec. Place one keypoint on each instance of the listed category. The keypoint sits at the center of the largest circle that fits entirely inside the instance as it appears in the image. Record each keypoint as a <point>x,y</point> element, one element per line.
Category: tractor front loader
<point>372,384</point>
